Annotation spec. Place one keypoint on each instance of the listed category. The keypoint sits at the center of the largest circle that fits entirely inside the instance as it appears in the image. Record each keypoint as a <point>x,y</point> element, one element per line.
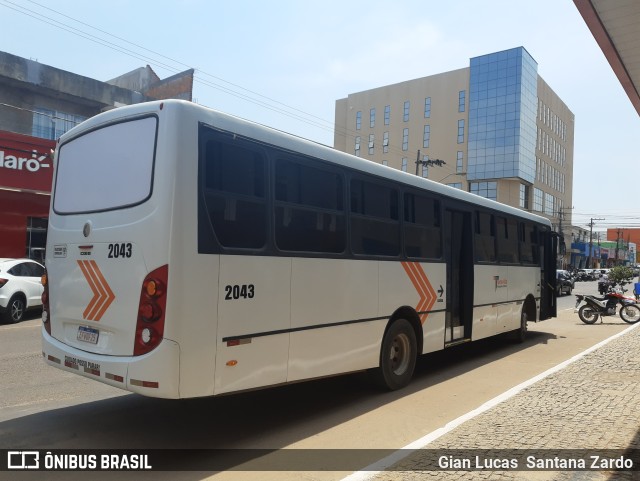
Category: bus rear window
<point>106,169</point>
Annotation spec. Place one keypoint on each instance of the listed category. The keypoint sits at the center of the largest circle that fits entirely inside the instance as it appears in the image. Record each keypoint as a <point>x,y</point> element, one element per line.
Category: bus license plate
<point>88,334</point>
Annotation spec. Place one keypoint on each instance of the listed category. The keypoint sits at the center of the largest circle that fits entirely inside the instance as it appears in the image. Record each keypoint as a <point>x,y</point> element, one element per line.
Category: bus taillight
<point>151,311</point>
<point>46,315</point>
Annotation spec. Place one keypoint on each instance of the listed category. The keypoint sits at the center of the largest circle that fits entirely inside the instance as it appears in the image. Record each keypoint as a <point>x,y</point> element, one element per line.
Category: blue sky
<point>285,63</point>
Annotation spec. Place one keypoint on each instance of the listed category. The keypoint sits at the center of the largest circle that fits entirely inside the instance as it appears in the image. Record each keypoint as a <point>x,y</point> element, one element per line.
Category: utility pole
<point>563,247</point>
<point>590,241</point>
<point>617,246</point>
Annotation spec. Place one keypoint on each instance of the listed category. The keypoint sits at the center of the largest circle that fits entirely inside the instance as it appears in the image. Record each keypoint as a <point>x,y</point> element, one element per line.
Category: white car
<point>20,287</point>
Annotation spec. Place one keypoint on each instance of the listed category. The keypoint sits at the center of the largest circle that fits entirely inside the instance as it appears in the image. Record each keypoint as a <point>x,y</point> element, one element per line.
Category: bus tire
<point>520,334</point>
<point>398,356</point>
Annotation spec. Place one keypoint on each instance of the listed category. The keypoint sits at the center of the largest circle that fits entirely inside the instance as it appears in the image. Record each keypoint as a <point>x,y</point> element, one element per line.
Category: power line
<point>262,100</point>
<point>127,51</point>
<point>44,114</point>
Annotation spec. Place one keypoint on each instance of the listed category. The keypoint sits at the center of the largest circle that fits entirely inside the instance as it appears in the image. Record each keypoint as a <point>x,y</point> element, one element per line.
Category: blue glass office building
<point>503,102</point>
<point>503,133</point>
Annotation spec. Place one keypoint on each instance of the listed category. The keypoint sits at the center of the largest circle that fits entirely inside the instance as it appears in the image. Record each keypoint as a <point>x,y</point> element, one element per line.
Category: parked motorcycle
<point>599,307</point>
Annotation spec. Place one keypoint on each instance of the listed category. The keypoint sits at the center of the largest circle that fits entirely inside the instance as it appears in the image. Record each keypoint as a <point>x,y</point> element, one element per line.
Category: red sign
<point>26,162</point>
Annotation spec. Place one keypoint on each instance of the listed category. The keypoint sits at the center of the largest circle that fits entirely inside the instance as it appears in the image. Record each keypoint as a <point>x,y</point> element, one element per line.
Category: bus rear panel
<point>108,256</point>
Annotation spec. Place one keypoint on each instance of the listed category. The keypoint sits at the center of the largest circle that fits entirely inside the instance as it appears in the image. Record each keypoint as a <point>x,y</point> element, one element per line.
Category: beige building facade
<point>495,128</point>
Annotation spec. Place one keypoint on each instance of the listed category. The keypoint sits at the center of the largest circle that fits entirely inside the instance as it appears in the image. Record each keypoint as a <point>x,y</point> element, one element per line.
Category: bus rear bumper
<point>156,374</point>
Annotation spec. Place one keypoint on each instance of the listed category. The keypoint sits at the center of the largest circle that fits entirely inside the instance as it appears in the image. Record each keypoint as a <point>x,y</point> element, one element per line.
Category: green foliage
<point>621,274</point>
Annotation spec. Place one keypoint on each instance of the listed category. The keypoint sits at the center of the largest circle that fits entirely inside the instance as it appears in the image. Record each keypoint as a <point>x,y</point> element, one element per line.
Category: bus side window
<point>528,237</point>
<point>507,240</point>
<point>422,228</point>
<point>235,194</point>
<point>485,237</point>
<point>375,222</point>
<point>309,208</point>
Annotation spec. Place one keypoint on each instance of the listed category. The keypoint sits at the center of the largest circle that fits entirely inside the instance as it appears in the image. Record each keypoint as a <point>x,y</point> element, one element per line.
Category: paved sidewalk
<point>593,403</point>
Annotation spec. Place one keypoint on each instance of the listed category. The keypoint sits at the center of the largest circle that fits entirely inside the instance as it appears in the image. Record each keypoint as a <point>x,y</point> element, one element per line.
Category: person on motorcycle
<point>603,283</point>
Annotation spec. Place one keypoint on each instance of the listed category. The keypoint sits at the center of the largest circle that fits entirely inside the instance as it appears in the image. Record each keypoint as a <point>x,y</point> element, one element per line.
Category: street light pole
<point>430,162</point>
<point>590,242</point>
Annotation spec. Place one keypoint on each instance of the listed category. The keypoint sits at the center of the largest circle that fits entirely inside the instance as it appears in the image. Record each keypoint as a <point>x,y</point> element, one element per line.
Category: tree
<point>620,275</point>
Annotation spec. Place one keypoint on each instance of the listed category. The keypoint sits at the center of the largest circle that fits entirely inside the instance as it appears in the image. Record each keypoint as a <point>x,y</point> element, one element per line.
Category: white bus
<point>191,253</point>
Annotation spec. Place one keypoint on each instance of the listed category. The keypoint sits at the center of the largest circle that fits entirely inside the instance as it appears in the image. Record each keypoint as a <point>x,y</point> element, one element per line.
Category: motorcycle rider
<point>603,283</point>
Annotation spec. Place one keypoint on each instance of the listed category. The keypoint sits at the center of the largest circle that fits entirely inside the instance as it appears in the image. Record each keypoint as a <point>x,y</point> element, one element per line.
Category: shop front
<point>26,172</point>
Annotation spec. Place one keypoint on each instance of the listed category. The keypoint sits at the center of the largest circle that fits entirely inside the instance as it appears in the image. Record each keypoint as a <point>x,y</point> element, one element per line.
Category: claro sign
<point>26,162</point>
<point>33,164</point>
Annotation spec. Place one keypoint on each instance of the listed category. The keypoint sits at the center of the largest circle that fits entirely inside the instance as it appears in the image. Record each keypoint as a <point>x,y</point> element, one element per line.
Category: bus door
<point>459,257</point>
<point>548,254</point>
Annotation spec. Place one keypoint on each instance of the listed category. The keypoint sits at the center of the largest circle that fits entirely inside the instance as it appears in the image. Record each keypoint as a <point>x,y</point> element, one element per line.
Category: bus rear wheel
<point>520,334</point>
<point>398,356</point>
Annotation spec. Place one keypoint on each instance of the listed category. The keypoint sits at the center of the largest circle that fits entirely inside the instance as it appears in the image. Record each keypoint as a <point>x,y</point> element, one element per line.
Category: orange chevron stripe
<point>97,298</point>
<point>107,291</point>
<point>423,287</point>
<point>92,285</point>
<point>103,296</point>
<point>92,267</point>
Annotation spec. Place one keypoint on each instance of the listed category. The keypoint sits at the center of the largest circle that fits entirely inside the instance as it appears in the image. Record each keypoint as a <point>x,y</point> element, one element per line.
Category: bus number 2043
<point>123,249</point>
<point>244,291</point>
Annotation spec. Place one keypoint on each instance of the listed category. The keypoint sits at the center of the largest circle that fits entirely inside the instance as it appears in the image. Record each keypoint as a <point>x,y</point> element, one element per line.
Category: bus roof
<point>269,135</point>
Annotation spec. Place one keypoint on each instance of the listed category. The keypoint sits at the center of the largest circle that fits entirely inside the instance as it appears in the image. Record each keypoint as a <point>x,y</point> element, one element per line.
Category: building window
<point>387,114</point>
<point>404,164</point>
<point>405,139</point>
<point>385,162</point>
<point>357,147</point>
<point>461,131</point>
<point>358,120</point>
<point>461,97</point>
<point>524,196</point>
<point>460,162</point>
<point>427,107</point>
<point>537,200</point>
<point>488,190</point>
<point>426,136</point>
<point>372,118</point>
<point>548,204</point>
<point>372,138</point>
<point>385,143</point>
<point>51,124</point>
<point>455,185</point>
<point>425,168</point>
<point>405,113</point>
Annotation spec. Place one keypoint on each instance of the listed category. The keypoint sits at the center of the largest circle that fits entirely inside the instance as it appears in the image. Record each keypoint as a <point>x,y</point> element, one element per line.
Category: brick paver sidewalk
<point>593,403</point>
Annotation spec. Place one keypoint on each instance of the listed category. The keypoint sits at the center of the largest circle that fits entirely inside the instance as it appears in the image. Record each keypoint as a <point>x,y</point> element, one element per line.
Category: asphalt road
<point>45,408</point>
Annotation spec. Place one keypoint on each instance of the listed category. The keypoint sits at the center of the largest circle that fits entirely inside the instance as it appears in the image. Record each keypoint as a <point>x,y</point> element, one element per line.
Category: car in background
<point>564,282</point>
<point>20,287</point>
